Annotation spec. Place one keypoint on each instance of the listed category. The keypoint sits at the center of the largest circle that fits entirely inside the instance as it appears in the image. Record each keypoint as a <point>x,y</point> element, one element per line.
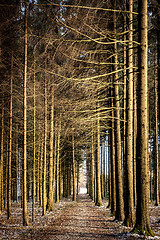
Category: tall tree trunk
<point>41,174</point>
<point>6,175</point>
<point>78,171</point>
<point>158,54</point>
<point>142,225</point>
<point>95,181</point>
<point>34,148</point>
<point>50,197</point>
<point>105,181</point>
<point>92,166</point>
<point>156,162</point>
<point>25,213</point>
<point>10,146</point>
<point>135,135</point>
<point>98,180</point>
<point>129,208</point>
<point>45,147</point>
<point>65,179</point>
<point>58,157</point>
<point>1,161</point>
<point>17,163</point>
<point>38,173</point>
<point>109,188</point>
<point>102,182</point>
<point>55,157</point>
<point>60,179</point>
<point>73,167</point>
<point>112,157</point>
<point>124,102</point>
<point>119,187</point>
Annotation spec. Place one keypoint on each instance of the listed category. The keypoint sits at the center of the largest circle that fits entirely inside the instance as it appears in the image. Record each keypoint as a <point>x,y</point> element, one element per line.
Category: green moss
<point>140,231</point>
<point>129,223</point>
<point>50,207</point>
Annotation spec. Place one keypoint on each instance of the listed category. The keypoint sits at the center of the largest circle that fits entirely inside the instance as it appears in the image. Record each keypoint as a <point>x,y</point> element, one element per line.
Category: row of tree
<point>84,76</point>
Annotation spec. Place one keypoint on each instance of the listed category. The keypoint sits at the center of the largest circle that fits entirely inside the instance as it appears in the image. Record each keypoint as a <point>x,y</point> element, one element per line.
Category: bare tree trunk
<point>105,181</point>
<point>158,55</point>
<point>102,182</point>
<point>58,157</point>
<point>41,174</point>
<point>6,175</point>
<point>129,208</point>
<point>45,148</point>
<point>119,187</point>
<point>60,179</point>
<point>142,225</point>
<point>10,146</point>
<point>77,187</point>
<point>38,172</point>
<point>135,137</point>
<point>55,157</point>
<point>95,182</point>
<point>98,180</point>
<point>2,158</point>
<point>92,165</point>
<point>124,103</point>
<point>50,197</point>
<point>156,163</point>
<point>17,163</point>
<point>34,149</point>
<point>112,156</point>
<point>73,167</point>
<point>25,213</point>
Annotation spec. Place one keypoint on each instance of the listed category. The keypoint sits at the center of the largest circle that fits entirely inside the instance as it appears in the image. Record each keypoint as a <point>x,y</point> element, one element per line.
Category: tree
<point>73,166</point>
<point>2,159</point>
<point>156,162</point>
<point>118,166</point>
<point>10,145</point>
<point>142,225</point>
<point>98,180</point>
<point>50,194</point>
<point>25,213</point>
<point>129,208</point>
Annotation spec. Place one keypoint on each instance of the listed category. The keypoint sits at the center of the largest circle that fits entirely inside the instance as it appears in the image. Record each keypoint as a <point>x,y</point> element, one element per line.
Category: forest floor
<point>72,220</point>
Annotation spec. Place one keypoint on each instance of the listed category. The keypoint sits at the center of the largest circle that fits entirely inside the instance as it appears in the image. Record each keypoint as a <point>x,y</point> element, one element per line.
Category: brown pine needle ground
<point>71,220</point>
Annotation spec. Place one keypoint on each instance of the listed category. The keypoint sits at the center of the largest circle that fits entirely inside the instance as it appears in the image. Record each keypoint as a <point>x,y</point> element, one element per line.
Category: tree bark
<point>50,195</point>
<point>98,179</point>
<point>129,208</point>
<point>41,174</point>
<point>25,213</point>
<point>45,147</point>
<point>156,162</point>
<point>10,145</point>
<point>58,157</point>
<point>119,187</point>
<point>102,179</point>
<point>1,161</point>
<point>142,225</point>
<point>92,164</point>
<point>17,163</point>
<point>112,157</point>
<point>73,167</point>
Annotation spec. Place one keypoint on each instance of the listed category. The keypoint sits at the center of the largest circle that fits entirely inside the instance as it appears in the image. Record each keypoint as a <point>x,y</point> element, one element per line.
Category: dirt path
<point>81,220</point>
<point>72,220</point>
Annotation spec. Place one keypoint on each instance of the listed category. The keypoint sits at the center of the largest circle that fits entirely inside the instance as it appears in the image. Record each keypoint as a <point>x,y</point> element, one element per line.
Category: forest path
<point>80,220</point>
<point>71,220</point>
